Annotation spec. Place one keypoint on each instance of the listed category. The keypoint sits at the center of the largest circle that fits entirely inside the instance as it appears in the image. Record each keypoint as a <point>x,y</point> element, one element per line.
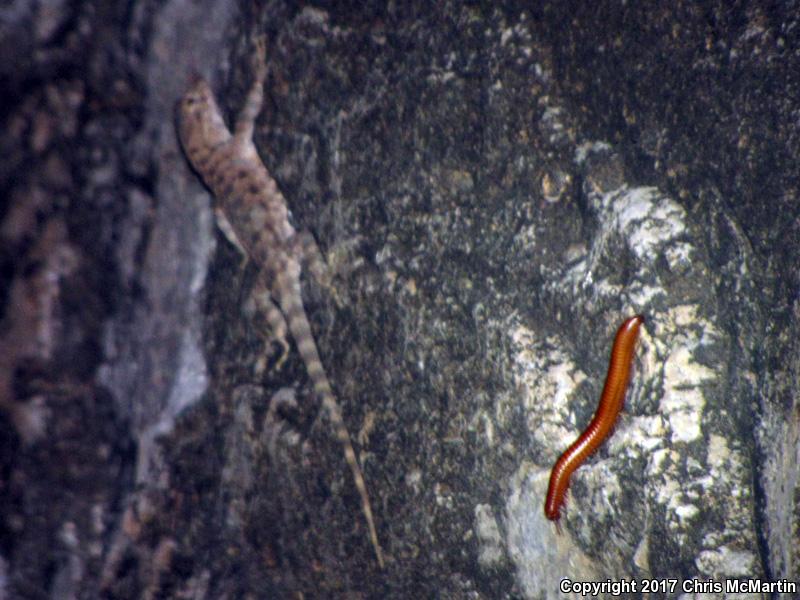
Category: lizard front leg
<point>243,130</point>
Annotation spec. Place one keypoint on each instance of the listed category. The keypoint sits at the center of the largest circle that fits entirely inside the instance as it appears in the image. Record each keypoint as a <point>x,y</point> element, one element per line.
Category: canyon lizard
<point>252,213</point>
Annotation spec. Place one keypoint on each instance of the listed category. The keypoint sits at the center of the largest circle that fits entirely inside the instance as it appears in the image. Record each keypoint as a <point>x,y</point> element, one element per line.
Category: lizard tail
<point>301,331</point>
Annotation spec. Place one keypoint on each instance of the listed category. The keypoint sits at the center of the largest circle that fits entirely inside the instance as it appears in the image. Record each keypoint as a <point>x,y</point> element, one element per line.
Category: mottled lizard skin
<point>252,213</point>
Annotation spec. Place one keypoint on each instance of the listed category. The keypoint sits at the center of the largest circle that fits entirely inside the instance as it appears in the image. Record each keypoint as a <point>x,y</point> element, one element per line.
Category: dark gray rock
<point>496,190</point>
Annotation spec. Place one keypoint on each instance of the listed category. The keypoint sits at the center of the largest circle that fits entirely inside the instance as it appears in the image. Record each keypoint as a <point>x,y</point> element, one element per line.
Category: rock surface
<point>496,190</point>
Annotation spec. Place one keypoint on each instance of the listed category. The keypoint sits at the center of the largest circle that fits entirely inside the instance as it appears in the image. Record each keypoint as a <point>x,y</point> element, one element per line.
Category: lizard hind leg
<point>308,252</point>
<point>264,305</point>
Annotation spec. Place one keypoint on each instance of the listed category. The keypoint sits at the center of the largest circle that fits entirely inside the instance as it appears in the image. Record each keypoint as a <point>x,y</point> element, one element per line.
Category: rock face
<point>496,189</point>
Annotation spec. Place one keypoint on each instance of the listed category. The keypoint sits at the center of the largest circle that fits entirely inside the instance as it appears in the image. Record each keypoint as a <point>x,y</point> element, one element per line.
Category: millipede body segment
<point>611,401</point>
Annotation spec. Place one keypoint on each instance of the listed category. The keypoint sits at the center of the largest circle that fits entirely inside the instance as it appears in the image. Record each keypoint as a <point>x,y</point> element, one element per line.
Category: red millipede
<point>611,401</point>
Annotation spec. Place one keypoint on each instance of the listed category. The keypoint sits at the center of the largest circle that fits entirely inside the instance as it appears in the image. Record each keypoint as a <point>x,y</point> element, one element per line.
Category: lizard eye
<point>192,100</point>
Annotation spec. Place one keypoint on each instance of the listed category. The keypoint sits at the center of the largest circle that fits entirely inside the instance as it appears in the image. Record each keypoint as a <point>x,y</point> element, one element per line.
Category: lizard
<point>252,213</point>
